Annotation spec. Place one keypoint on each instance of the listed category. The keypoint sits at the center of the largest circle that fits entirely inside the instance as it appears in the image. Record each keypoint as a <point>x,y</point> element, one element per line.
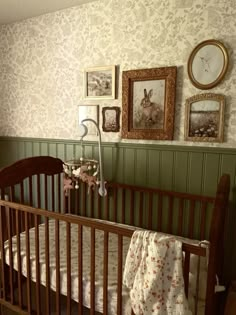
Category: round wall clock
<point>208,64</point>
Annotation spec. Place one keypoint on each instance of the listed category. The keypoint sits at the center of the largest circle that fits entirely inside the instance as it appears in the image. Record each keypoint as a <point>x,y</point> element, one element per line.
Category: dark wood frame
<point>116,127</point>
<point>168,74</point>
<point>200,98</point>
<point>46,190</point>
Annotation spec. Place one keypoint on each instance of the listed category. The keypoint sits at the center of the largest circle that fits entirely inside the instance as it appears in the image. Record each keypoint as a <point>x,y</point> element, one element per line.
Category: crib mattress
<point>99,237</point>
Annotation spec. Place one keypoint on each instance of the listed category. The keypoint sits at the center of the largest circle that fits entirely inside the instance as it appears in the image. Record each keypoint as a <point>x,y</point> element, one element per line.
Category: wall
<point>41,83</point>
<point>42,60</point>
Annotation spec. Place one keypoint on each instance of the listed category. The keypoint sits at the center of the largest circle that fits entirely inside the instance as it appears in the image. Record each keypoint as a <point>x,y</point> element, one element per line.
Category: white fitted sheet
<point>112,264</point>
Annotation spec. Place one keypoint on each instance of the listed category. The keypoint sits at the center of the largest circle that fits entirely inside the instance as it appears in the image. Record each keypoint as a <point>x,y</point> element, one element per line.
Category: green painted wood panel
<point>141,167</point>
<point>153,168</point>
<point>195,172</point>
<point>166,169</point>
<point>128,168</point>
<point>180,175</point>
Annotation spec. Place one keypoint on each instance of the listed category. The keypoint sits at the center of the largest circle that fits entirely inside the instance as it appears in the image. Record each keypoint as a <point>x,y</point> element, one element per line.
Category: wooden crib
<point>42,263</point>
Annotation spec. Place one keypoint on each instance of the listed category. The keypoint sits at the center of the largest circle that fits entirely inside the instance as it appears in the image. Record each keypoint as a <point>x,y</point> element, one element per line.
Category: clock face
<point>207,64</point>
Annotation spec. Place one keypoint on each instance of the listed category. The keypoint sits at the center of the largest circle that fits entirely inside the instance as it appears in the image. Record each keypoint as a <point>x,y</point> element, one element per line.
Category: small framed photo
<point>99,82</point>
<point>89,111</point>
<point>148,98</point>
<point>205,117</point>
<point>111,119</point>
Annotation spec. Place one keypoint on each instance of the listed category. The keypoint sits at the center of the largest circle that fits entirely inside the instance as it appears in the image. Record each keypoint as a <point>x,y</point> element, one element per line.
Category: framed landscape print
<point>148,100</point>
<point>204,117</point>
<point>99,82</point>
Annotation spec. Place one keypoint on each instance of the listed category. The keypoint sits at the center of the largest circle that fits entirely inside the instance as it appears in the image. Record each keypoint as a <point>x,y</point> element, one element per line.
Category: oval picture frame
<point>207,64</point>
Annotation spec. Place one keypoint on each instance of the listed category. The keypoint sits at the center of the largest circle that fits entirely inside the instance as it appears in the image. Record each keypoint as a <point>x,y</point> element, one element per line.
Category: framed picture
<point>99,82</point>
<point>208,64</point>
<point>204,117</point>
<point>148,98</point>
<point>89,111</point>
<point>111,119</point>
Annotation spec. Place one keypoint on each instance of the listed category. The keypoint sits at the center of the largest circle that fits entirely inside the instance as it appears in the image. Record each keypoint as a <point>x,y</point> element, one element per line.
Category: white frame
<point>112,71</point>
<point>89,111</point>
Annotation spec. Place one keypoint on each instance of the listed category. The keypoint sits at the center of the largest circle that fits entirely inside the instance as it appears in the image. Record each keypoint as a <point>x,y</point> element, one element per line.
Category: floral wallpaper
<point>42,61</point>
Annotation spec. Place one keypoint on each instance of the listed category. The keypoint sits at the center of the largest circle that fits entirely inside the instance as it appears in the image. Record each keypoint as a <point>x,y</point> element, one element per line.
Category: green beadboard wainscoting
<point>181,168</point>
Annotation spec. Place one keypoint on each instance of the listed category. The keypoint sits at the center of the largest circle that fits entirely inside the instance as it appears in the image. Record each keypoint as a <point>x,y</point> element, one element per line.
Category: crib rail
<point>170,212</point>
<point>12,283</point>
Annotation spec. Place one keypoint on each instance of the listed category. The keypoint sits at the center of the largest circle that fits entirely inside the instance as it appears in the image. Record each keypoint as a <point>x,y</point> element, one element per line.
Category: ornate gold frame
<point>209,132</point>
<point>165,77</point>
<point>208,64</point>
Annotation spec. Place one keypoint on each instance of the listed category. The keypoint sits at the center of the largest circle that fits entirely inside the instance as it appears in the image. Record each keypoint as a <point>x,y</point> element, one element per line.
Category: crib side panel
<point>170,212</point>
<point>58,264</point>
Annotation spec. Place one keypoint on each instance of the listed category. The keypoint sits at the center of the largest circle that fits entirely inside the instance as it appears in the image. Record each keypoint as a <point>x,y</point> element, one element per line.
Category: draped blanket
<point>153,273</point>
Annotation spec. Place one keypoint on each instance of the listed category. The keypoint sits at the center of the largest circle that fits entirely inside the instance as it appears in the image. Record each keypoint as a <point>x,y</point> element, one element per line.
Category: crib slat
<point>22,193</point>
<point>150,203</point>
<point>92,273</point>
<point>105,273</point>
<point>30,188</point>
<point>92,203</point>
<point>46,192</point>
<point>57,235</point>
<point>68,274</point>
<point>191,218</point>
<point>38,192</point>
<point>59,193</point>
<point>131,207</point>
<point>53,191</point>
<point>203,220</point>
<point>119,275</point>
<point>84,203</point>
<point>2,219</point>
<point>9,227</point>
<point>38,305</point>
<point>28,263</point>
<point>80,268</point>
<point>159,214</point>
<point>18,244</point>
<point>170,215</point>
<point>99,199</point>
<point>115,206</point>
<point>123,206</point>
<point>47,261</point>
<point>140,208</point>
<point>107,208</point>
<point>180,215</point>
<point>186,271</point>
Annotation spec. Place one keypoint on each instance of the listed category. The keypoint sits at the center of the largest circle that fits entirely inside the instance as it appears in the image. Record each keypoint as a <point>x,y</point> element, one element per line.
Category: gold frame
<point>209,129</point>
<point>164,82</point>
<point>208,64</point>
<point>116,126</point>
<point>97,82</point>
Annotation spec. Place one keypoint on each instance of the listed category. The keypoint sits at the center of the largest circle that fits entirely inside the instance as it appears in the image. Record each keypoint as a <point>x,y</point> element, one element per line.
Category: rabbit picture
<point>151,110</point>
